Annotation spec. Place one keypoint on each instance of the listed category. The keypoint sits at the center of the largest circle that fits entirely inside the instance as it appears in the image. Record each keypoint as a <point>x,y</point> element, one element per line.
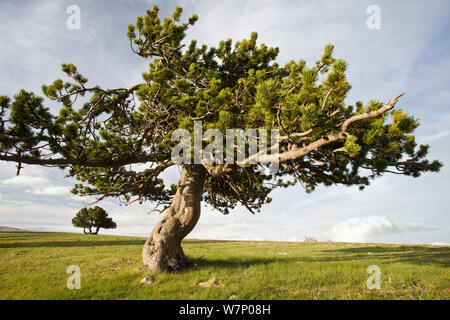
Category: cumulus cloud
<point>26,181</point>
<point>6,202</point>
<point>367,229</point>
<point>37,185</point>
<point>51,191</point>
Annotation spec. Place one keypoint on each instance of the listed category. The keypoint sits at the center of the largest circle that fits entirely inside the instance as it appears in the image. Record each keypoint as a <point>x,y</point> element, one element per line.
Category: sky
<point>408,53</point>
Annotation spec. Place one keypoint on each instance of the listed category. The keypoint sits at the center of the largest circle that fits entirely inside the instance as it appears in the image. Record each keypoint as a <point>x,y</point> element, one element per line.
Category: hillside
<point>33,266</point>
<point>10,229</point>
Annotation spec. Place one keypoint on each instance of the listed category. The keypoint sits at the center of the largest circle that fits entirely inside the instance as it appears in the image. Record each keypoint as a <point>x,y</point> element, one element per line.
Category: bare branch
<point>326,98</point>
<point>373,114</point>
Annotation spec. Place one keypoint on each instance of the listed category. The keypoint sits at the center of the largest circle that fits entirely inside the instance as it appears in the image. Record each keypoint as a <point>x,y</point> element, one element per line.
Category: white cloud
<point>37,185</point>
<point>440,244</point>
<point>6,202</point>
<point>26,181</point>
<point>367,229</point>
<point>51,191</point>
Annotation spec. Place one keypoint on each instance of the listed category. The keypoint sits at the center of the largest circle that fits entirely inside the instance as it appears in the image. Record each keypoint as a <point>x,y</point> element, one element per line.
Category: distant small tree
<point>93,218</point>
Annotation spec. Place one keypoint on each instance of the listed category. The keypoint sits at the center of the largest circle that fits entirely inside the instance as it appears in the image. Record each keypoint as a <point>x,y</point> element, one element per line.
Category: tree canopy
<point>93,219</point>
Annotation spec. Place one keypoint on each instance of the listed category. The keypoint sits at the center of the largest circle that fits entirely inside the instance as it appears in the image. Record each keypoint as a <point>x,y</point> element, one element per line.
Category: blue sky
<point>410,53</point>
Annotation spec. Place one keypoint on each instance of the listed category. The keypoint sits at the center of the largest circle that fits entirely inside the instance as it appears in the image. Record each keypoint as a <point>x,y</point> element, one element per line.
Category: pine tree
<point>93,219</point>
<point>237,85</point>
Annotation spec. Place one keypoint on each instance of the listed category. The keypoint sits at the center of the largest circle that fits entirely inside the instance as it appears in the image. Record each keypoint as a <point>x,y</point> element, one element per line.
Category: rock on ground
<point>212,283</point>
<point>147,281</point>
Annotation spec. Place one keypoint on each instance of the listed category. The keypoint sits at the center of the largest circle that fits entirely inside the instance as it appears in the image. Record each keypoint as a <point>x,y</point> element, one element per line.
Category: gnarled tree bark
<point>162,251</point>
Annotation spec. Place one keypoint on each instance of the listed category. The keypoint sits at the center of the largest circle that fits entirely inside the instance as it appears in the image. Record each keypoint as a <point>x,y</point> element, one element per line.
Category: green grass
<point>33,266</point>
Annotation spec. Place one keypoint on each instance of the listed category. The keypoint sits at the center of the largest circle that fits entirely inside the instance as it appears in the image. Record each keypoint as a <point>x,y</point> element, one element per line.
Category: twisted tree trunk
<point>162,251</point>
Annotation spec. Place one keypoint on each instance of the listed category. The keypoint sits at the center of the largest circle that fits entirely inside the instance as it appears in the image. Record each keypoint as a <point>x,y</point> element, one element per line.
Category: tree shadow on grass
<point>193,241</point>
<point>232,263</point>
<point>67,244</point>
<point>406,254</point>
<point>83,243</point>
<point>420,255</point>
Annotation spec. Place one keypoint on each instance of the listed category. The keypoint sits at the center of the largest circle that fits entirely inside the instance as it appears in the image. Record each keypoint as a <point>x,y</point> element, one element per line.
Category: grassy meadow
<point>33,266</point>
